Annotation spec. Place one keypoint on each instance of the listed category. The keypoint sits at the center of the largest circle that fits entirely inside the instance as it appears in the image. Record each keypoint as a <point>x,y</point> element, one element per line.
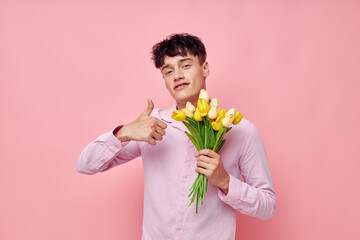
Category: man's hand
<point>144,128</point>
<point>209,163</point>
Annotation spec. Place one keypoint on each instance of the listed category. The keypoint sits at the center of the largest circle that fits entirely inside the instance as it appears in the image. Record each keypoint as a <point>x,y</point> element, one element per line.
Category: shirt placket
<point>183,198</point>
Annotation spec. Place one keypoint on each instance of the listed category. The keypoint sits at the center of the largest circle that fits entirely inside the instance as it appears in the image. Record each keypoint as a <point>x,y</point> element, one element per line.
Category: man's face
<point>184,78</point>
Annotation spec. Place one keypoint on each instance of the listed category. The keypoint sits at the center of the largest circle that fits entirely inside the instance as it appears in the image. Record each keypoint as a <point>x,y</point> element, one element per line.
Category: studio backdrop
<point>72,70</point>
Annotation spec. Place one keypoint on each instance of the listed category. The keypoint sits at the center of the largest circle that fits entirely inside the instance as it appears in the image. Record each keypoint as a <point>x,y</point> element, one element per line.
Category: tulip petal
<point>238,117</point>
<point>178,115</point>
<point>197,115</point>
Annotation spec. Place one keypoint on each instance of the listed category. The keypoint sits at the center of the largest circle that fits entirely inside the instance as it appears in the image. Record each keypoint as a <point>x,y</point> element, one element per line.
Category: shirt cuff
<point>117,129</point>
<point>234,191</point>
<point>112,143</point>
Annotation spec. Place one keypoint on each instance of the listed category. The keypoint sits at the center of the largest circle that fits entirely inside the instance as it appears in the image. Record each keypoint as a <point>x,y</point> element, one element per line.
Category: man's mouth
<point>180,86</point>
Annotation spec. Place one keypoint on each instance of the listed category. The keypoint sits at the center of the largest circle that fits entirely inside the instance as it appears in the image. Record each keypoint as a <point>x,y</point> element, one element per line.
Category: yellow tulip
<point>213,112</point>
<point>204,95</point>
<point>221,113</point>
<point>238,117</point>
<point>216,125</point>
<point>188,113</point>
<point>197,115</point>
<point>179,115</point>
<point>203,107</point>
<point>190,107</point>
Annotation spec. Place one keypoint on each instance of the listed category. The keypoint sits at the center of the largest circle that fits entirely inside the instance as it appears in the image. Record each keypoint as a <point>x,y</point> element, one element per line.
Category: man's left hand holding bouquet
<point>209,163</point>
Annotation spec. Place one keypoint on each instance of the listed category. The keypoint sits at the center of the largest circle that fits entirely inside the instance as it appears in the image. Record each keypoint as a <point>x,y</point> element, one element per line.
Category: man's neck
<point>182,105</point>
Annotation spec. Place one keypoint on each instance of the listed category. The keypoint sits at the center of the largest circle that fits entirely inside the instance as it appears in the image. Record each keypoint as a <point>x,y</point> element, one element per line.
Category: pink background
<point>71,70</point>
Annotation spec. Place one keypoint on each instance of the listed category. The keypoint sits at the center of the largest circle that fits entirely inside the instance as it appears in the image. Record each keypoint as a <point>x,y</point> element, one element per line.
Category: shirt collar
<point>165,115</point>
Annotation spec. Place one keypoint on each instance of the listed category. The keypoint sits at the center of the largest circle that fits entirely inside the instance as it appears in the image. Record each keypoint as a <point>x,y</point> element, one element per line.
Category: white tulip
<point>228,120</point>
<point>188,113</point>
<point>190,107</point>
<point>232,111</point>
<point>213,112</point>
<point>204,95</point>
<point>214,103</point>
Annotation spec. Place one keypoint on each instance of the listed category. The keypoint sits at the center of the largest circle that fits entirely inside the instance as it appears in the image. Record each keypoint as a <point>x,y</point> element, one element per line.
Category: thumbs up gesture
<point>144,128</point>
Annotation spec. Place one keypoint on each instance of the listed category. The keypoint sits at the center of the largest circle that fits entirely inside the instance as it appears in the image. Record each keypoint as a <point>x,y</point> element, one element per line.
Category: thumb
<point>149,108</point>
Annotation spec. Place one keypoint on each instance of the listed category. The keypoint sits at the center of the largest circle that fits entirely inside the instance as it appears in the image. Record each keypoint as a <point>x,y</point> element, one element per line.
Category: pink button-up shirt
<point>169,172</point>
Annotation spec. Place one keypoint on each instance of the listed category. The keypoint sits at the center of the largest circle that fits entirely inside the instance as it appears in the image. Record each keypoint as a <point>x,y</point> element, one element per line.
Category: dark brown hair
<point>178,44</point>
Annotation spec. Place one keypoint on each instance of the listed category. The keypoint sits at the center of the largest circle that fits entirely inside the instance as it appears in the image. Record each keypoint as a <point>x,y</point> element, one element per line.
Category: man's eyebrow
<point>185,59</point>
<point>181,60</point>
<point>167,65</point>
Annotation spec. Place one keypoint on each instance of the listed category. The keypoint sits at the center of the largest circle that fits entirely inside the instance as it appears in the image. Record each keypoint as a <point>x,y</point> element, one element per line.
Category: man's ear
<point>206,70</point>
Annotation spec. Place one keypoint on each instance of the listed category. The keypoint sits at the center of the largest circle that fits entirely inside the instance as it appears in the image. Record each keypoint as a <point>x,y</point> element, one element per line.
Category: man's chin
<point>184,96</point>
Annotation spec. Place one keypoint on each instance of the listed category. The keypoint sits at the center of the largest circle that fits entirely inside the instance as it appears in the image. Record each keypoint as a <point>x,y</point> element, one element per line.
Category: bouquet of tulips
<point>207,127</point>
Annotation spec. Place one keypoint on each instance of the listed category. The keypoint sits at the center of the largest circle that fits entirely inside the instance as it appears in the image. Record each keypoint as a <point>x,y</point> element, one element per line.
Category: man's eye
<point>186,66</point>
<point>168,72</point>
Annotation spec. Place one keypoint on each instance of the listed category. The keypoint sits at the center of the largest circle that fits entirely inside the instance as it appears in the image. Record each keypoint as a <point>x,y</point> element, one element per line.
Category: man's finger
<point>149,108</point>
<point>202,164</point>
<point>202,171</point>
<point>161,124</point>
<point>160,131</point>
<point>156,136</point>
<point>206,152</point>
<point>204,158</point>
<point>151,140</point>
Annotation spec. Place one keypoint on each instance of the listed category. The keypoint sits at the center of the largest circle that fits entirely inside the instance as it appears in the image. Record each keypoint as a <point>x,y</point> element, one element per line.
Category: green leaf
<point>220,133</point>
<point>194,134</point>
<point>191,192</point>
<point>219,137</point>
<point>201,129</point>
<point>203,190</point>
<point>195,181</point>
<point>192,199</point>
<point>197,201</point>
<point>206,135</point>
<point>220,145</point>
<point>191,121</point>
<point>211,137</point>
<point>206,184</point>
<point>193,141</point>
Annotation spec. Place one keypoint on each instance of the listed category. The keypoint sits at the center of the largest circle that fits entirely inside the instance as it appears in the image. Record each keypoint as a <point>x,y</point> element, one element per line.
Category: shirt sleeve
<point>106,152</point>
<point>256,196</point>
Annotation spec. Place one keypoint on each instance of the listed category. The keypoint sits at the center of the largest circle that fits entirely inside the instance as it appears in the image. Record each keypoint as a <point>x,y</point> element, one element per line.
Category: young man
<point>171,162</point>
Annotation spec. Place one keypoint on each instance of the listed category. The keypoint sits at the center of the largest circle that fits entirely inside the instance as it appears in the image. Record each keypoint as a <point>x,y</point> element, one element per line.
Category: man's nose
<point>178,74</point>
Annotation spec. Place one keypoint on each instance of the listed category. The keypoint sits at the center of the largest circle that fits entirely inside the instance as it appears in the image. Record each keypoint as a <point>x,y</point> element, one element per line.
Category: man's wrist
<point>119,134</point>
<point>225,187</point>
